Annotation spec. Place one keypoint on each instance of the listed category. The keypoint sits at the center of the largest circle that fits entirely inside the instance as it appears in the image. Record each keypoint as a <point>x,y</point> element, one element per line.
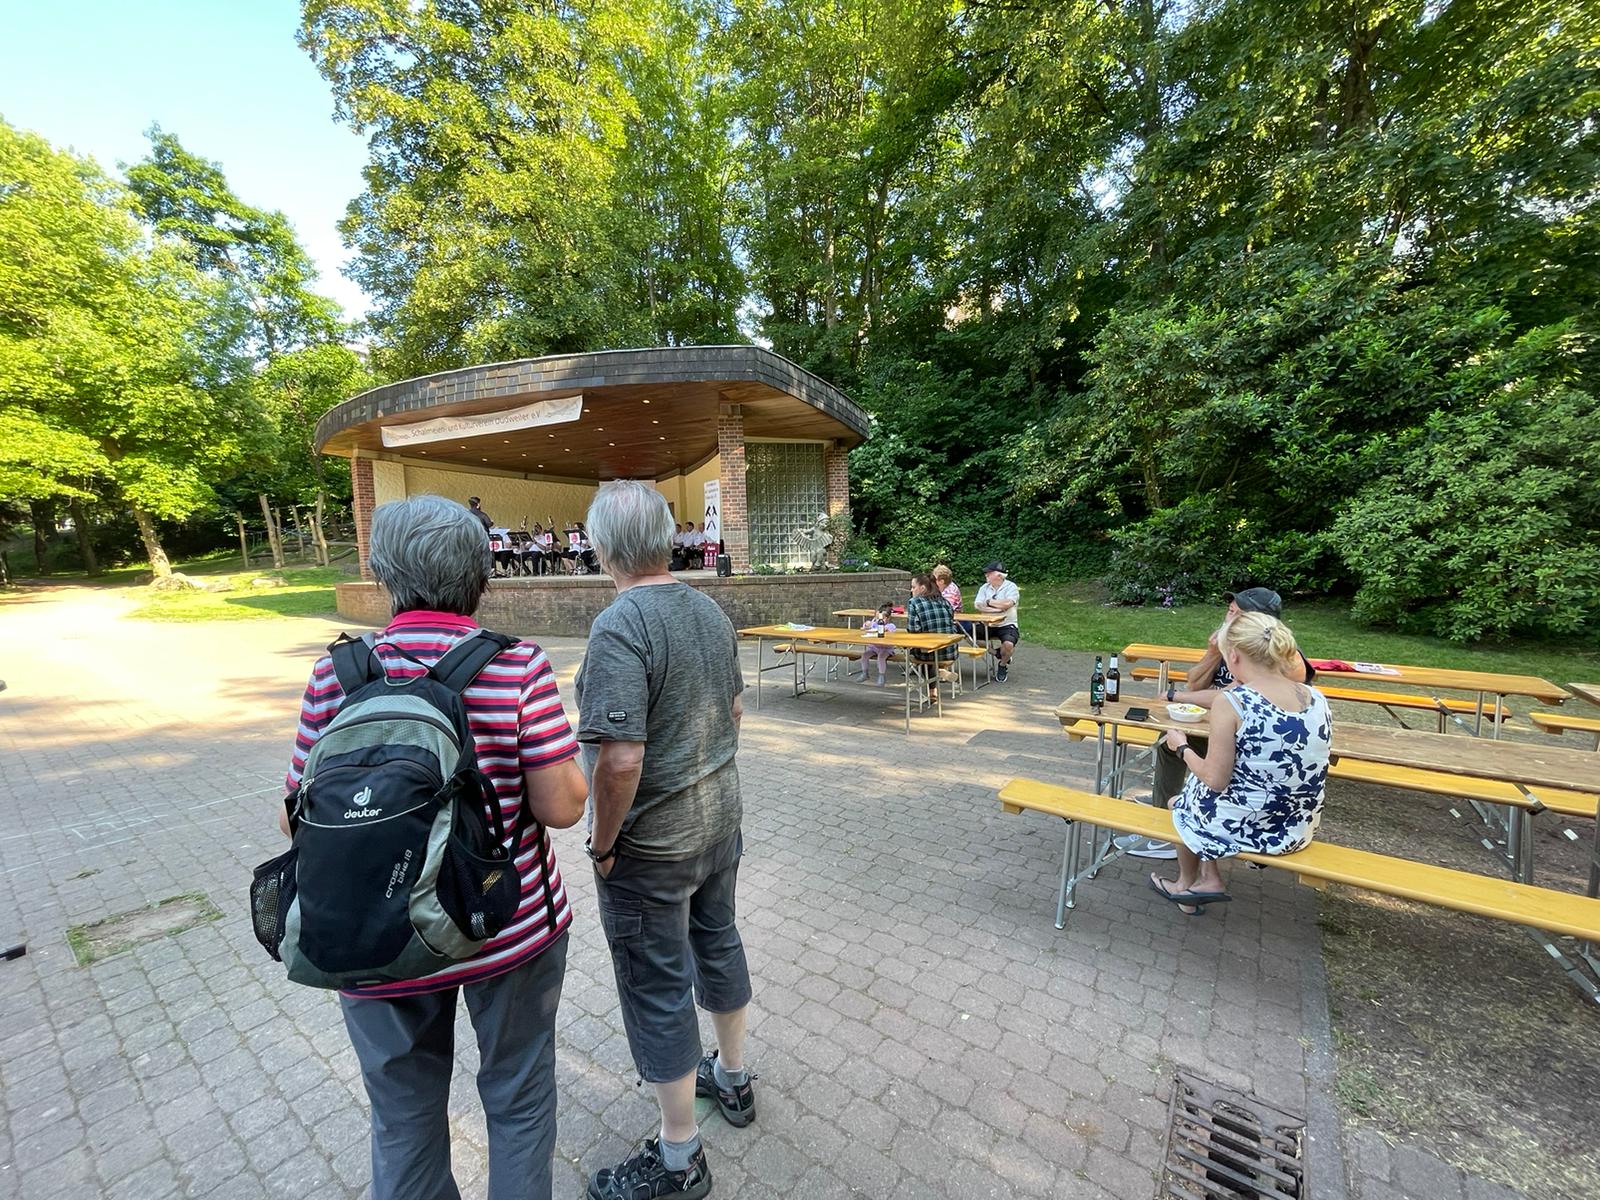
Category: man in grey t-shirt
<point>658,714</point>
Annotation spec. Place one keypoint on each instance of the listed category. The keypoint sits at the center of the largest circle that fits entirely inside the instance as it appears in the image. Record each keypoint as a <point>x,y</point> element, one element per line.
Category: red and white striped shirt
<point>518,725</point>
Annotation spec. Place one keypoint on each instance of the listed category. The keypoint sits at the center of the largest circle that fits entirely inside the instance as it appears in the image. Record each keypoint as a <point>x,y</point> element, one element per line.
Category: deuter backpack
<point>398,866</point>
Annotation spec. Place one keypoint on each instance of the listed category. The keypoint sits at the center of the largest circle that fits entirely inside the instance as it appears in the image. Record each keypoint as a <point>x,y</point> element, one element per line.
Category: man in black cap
<point>999,595</point>
<point>1212,676</point>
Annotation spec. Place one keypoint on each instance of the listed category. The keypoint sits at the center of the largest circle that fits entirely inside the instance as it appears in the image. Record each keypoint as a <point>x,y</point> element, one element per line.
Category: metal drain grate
<point>1222,1145</point>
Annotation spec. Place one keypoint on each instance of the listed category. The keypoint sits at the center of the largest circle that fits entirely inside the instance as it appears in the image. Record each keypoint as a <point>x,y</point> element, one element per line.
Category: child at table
<point>882,623</point>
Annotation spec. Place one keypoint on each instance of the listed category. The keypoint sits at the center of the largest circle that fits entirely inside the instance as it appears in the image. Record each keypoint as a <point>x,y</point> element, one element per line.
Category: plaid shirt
<point>930,614</point>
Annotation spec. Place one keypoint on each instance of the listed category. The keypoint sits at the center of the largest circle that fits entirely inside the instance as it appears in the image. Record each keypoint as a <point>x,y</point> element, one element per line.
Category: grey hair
<point>430,553</point>
<point>631,527</point>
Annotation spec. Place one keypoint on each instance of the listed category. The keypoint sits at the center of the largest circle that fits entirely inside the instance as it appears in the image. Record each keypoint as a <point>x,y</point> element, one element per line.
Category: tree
<point>114,364</point>
<point>187,198</point>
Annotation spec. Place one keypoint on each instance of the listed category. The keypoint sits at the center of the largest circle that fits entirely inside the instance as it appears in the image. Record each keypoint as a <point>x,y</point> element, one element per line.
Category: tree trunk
<point>159,565</point>
<point>80,526</point>
<point>43,516</point>
<point>244,539</point>
<point>272,533</point>
<point>299,530</point>
<point>316,531</point>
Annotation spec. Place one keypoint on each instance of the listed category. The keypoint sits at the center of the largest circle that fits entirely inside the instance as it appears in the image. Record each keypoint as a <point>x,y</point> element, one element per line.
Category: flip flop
<point>1202,897</point>
<point>1159,887</point>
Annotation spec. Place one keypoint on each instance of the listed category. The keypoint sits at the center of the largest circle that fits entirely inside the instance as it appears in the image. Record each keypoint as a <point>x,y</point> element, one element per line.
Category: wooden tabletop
<point>1422,677</point>
<point>1512,762</point>
<point>854,637</point>
<point>1586,691</point>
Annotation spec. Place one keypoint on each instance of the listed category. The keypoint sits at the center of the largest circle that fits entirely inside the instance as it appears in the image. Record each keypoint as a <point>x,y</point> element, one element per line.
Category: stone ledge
<point>566,605</point>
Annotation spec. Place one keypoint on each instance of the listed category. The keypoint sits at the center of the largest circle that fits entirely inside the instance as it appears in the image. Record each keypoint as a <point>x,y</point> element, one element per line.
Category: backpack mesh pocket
<point>481,895</point>
<point>271,891</point>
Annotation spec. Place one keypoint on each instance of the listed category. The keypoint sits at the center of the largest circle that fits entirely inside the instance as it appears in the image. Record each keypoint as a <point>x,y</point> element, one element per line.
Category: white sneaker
<point>1143,847</point>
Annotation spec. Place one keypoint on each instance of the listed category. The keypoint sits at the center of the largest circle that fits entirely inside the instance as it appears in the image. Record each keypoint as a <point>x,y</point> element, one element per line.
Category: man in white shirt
<point>695,540</point>
<point>999,595</point>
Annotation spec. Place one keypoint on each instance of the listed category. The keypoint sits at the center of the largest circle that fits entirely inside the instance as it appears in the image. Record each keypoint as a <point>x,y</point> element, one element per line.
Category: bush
<point>1177,555</point>
<point>1484,523</point>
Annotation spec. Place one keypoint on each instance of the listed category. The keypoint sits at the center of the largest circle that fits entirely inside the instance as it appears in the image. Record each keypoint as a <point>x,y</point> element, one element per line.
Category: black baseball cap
<point>1256,599</point>
<point>994,565</point>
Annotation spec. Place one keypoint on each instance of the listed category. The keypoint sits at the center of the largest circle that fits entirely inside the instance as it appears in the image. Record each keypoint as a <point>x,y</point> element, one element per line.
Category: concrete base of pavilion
<point>566,605</point>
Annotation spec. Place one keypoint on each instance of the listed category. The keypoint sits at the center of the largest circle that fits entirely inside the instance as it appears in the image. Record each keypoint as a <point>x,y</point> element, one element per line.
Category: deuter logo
<point>358,806</point>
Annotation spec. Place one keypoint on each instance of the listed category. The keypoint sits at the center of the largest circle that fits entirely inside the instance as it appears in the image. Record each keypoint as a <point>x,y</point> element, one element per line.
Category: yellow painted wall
<point>508,499</point>
<point>388,482</point>
<point>505,498</point>
<point>687,493</point>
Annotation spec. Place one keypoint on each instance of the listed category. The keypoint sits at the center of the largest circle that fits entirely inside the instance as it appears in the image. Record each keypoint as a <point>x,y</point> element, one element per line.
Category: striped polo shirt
<point>518,725</point>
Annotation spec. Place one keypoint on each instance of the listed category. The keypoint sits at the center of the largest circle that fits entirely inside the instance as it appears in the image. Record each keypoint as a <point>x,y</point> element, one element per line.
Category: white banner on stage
<point>713,516</point>
<point>544,412</point>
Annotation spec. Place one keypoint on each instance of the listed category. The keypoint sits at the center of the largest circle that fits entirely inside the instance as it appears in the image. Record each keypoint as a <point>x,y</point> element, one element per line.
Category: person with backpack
<point>431,757</point>
<point>658,716</point>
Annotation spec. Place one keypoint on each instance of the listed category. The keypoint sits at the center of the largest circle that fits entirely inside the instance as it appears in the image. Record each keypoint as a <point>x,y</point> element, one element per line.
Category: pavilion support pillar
<point>735,511</point>
<point>361,497</point>
<point>836,468</point>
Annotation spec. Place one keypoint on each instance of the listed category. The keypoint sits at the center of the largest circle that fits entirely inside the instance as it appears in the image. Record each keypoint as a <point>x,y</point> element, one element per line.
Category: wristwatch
<point>588,848</point>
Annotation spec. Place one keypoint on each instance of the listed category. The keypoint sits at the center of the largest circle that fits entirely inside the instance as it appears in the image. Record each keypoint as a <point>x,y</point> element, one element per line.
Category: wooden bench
<point>1439,783</point>
<point>1562,723</point>
<point>1321,863</point>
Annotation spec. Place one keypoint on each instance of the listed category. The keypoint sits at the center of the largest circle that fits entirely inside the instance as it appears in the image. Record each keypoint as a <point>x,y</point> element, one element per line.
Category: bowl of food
<point>1189,714</point>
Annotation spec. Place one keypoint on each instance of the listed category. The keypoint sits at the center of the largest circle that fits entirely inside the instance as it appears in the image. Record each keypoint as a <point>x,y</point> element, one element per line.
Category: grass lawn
<point>308,592</point>
<point>1073,616</point>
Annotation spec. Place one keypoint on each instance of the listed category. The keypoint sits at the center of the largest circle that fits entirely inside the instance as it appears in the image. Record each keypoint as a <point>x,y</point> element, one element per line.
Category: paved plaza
<point>919,1026</point>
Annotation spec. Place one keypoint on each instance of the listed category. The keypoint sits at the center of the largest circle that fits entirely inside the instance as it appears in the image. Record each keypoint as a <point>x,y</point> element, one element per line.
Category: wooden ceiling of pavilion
<point>647,414</point>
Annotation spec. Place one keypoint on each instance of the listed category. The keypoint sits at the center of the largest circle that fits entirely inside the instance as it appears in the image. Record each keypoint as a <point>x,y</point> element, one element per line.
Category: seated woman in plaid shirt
<point>927,612</point>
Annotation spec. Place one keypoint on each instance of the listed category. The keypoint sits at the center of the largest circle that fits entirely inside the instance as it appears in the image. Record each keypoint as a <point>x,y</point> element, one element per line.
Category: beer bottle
<point>1097,686</point>
<point>1113,682</point>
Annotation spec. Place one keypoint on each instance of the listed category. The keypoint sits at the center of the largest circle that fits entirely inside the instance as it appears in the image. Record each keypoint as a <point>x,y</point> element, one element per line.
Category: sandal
<point>1159,887</point>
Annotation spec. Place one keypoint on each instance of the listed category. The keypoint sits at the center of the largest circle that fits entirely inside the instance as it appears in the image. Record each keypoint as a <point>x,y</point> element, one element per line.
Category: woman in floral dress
<point>1261,783</point>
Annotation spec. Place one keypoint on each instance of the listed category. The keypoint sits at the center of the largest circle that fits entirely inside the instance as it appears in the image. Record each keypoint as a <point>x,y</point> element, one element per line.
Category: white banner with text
<point>529,416</point>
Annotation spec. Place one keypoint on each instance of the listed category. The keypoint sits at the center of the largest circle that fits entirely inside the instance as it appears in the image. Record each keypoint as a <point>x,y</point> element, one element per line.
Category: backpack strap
<point>458,667</point>
<point>355,664</point>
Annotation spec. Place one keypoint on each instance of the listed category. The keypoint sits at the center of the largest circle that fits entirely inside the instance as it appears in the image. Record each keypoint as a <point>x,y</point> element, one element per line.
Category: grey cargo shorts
<point>673,942</point>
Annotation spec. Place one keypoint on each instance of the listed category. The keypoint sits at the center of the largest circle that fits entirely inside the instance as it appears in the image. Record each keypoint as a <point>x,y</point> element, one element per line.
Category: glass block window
<point>785,491</point>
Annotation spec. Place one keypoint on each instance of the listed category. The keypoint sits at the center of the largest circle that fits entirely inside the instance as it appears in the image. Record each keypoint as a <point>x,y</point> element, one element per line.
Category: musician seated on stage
<point>500,545</point>
<point>695,541</point>
<point>578,540</point>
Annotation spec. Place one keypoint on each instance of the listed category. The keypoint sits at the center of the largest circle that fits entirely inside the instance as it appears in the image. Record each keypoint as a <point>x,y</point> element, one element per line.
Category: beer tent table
<point>845,637</point>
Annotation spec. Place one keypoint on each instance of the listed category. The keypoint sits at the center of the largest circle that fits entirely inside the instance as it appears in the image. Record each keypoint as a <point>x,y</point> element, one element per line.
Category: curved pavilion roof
<point>646,413</point>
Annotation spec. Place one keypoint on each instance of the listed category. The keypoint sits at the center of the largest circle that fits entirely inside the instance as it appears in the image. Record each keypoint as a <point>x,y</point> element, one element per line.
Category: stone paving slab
<point>919,1026</point>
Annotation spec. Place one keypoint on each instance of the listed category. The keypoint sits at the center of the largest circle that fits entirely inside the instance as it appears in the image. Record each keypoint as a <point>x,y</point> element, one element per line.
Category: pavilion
<point>735,436</point>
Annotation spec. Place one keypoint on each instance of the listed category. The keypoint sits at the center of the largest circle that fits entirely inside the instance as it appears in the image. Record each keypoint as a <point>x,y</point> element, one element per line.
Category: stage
<point>565,605</point>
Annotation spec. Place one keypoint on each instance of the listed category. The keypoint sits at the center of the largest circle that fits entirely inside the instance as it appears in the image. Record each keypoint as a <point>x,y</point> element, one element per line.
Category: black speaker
<point>724,565</point>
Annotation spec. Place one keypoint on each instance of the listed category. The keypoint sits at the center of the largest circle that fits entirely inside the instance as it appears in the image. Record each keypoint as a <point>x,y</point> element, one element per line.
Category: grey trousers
<point>1170,771</point>
<point>406,1049</point>
<point>673,938</point>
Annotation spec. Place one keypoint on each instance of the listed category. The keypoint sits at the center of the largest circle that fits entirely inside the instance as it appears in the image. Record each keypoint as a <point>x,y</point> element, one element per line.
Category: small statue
<point>814,540</point>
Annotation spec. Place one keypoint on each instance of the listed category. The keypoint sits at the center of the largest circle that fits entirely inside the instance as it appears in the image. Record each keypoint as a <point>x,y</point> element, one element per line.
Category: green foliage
<point>1485,521</point>
<point>544,178</point>
<point>253,252</point>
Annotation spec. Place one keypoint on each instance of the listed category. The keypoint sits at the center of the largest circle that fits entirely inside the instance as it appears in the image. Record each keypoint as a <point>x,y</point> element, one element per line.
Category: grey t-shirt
<point>662,668</point>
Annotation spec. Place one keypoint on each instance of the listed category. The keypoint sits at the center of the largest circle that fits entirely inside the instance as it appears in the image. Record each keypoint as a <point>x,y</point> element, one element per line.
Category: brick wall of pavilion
<point>735,510</point>
<point>362,497</point>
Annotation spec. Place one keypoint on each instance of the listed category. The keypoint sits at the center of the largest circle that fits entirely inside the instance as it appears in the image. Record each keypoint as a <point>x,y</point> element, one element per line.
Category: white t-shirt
<point>677,538</point>
<point>1006,591</point>
<point>695,539</point>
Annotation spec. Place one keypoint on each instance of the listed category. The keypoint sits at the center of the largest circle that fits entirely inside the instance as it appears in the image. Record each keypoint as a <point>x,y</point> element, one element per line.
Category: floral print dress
<point>1273,803</point>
